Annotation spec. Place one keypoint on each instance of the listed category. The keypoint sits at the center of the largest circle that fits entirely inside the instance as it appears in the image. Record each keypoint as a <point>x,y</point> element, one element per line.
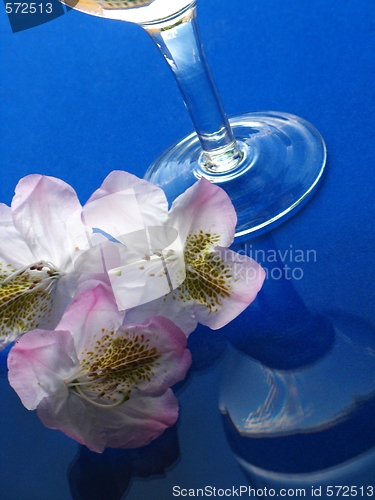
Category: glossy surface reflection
<point>298,398</point>
<point>82,96</point>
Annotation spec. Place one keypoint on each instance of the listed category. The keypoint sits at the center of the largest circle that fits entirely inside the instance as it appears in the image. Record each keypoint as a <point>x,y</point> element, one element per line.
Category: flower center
<point>25,297</point>
<point>113,366</point>
<point>208,276</point>
<point>40,276</point>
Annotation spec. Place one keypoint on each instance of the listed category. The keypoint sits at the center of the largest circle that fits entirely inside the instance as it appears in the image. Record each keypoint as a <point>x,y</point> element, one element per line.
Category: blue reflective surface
<point>298,398</point>
<point>81,96</point>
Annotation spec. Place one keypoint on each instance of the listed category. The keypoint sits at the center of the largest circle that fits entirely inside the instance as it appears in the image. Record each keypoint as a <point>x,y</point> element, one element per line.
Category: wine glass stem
<point>180,44</point>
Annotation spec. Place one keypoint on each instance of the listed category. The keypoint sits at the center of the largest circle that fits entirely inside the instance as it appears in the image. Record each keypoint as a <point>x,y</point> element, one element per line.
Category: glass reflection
<point>94,476</point>
<point>298,396</point>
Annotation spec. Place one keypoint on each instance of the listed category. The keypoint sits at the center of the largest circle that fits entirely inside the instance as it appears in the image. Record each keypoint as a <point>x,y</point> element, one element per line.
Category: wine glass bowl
<point>141,12</point>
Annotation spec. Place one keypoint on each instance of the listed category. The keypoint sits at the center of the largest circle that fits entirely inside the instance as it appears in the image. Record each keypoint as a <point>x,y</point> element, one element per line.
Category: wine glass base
<point>283,159</point>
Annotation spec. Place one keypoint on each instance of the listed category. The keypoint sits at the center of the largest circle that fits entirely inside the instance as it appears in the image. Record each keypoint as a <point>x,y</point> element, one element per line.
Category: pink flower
<point>211,284</point>
<point>102,383</point>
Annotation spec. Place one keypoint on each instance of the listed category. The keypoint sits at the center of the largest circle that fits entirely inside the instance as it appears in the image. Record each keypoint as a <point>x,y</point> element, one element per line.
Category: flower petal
<point>76,418</point>
<point>93,264</point>
<point>115,214</point>
<point>240,279</point>
<point>90,315</point>
<point>19,309</point>
<point>204,209</point>
<point>159,358</point>
<point>151,266</point>
<point>60,297</point>
<point>46,211</point>
<point>138,204</point>
<point>14,251</point>
<point>180,312</point>
<point>220,286</point>
<point>140,420</point>
<point>22,309</point>
<point>150,357</point>
<point>131,425</point>
<point>138,282</point>
<point>38,364</point>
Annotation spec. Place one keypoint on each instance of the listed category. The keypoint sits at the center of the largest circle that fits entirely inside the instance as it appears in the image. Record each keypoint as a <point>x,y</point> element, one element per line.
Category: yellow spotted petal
<point>21,309</point>
<point>208,278</point>
<point>219,285</point>
<point>115,361</point>
<point>114,365</point>
<point>25,298</point>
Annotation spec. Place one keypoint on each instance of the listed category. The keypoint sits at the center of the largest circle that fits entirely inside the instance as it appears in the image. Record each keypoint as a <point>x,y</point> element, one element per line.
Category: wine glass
<point>269,163</point>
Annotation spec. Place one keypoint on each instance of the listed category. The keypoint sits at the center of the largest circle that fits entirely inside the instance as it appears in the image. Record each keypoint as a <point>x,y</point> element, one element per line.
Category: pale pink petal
<point>139,420</point>
<point>169,343</point>
<point>204,208</point>
<point>60,297</point>
<point>89,315</point>
<point>180,312</point>
<point>138,284</point>
<point>131,425</point>
<point>208,298</point>
<point>38,363</point>
<point>5,214</point>
<point>14,251</point>
<point>44,364</point>
<point>152,407</point>
<point>151,266</point>
<point>98,260</point>
<point>246,280</point>
<point>46,211</point>
<point>22,310</point>
<point>74,417</point>
<point>150,357</point>
<point>142,203</point>
<point>115,214</point>
<point>138,281</point>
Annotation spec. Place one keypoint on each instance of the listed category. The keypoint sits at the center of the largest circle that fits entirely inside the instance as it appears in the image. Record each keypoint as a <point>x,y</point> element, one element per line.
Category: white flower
<point>42,236</point>
<point>102,383</point>
<point>204,281</point>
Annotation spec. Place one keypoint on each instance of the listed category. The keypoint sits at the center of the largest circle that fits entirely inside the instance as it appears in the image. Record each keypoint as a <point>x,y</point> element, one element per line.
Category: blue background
<point>81,96</point>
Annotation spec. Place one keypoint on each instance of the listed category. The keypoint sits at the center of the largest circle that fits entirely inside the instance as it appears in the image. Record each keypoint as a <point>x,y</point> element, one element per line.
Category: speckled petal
<point>219,285</point>
<point>115,392</point>
<point>204,209</point>
<point>150,357</point>
<point>21,310</point>
<point>154,355</point>
<point>228,288</point>
<point>90,316</point>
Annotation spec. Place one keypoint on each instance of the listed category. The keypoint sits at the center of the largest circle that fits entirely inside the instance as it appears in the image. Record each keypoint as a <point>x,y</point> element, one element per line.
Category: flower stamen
<point>110,370</point>
<point>102,405</point>
<point>39,266</point>
<point>25,298</point>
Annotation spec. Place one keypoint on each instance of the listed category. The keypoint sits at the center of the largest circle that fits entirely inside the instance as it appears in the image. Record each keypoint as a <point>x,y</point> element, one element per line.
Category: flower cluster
<point>99,300</point>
